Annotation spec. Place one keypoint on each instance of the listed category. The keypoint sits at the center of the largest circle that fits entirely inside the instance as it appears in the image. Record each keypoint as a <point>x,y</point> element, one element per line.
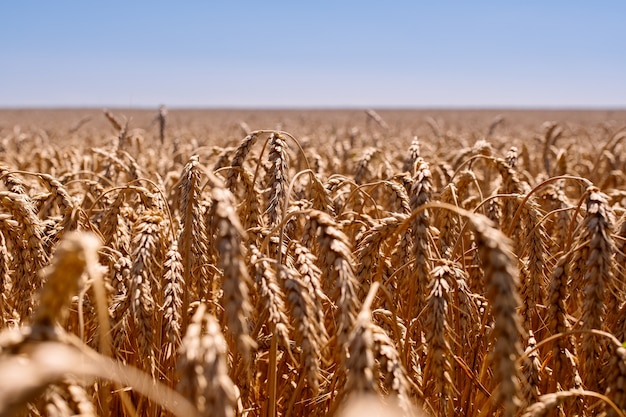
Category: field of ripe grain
<point>312,263</point>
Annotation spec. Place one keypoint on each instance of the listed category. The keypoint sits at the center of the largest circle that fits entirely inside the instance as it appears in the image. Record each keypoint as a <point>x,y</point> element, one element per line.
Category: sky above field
<point>313,54</point>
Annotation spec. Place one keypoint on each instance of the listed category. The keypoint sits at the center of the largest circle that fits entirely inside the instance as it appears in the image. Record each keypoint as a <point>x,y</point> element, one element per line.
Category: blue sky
<point>313,54</point>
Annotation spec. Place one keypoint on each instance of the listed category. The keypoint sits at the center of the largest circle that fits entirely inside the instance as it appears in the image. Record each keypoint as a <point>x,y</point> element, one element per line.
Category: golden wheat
<point>458,274</point>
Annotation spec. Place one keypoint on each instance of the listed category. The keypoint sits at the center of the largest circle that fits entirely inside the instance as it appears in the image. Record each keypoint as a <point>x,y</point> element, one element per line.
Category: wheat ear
<point>173,288</point>
<point>278,180</point>
<point>30,255</point>
<point>420,194</point>
<point>337,264</point>
<point>203,367</point>
<point>593,264</point>
<point>145,279</point>
<point>241,153</point>
<point>236,281</point>
<point>501,281</point>
<point>76,254</point>
<point>438,371</point>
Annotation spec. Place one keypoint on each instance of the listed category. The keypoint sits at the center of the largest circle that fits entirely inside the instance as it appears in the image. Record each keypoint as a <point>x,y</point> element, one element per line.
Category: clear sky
<point>137,53</point>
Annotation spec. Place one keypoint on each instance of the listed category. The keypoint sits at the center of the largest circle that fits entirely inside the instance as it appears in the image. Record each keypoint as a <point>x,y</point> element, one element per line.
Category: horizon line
<point>323,108</point>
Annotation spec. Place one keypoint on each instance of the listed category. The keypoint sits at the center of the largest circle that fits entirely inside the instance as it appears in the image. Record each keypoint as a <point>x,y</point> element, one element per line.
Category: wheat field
<point>312,264</point>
